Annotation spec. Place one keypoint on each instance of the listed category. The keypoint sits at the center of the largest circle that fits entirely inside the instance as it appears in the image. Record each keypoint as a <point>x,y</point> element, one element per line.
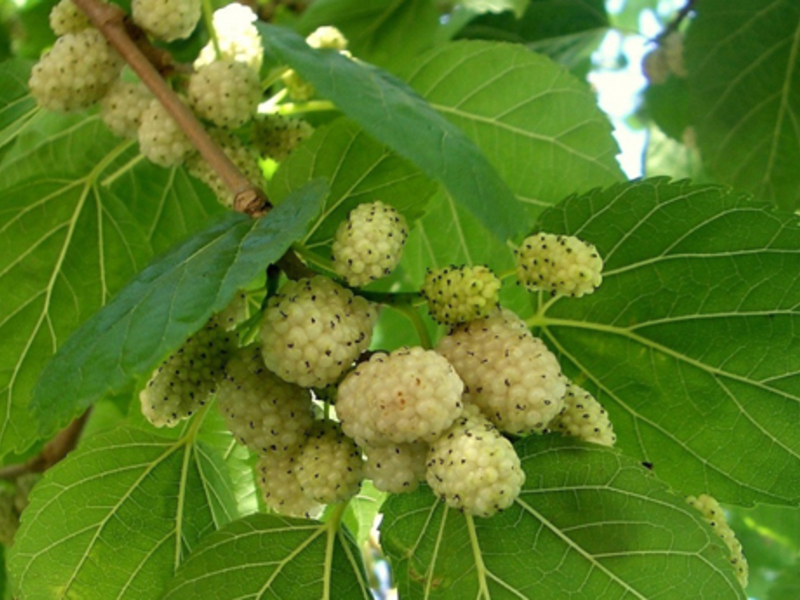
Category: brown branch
<point>54,451</point>
<point>113,23</point>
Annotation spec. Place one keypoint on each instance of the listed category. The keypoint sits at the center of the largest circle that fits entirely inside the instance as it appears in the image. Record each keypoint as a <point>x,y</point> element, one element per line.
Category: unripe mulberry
<point>237,38</point>
<point>330,467</point>
<point>407,396</point>
<point>76,72</point>
<point>277,480</point>
<point>655,66</point>
<point>243,156</point>
<point>583,417</point>
<point>461,294</point>
<point>509,374</point>
<point>276,136</point>
<point>264,412</point>
<point>66,18</point>
<point>559,264</point>
<point>225,92</point>
<point>473,468</point>
<point>673,54</point>
<point>122,107</point>
<point>327,37</point>
<point>397,468</point>
<point>167,20</point>
<point>161,140</point>
<point>368,244</point>
<point>714,515</point>
<point>185,380</point>
<point>313,330</point>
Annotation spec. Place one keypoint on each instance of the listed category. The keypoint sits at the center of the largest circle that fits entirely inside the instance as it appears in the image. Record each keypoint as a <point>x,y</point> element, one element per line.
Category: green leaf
<point>68,243</point>
<point>383,32</point>
<point>362,510</point>
<point>166,303</point>
<point>538,125</point>
<point>496,6</point>
<point>396,116</point>
<point>666,156</point>
<point>787,585</point>
<point>265,556</point>
<point>359,169</point>
<point>690,341</point>
<point>117,517</point>
<point>667,105</point>
<point>589,523</point>
<point>16,105</point>
<point>744,79</point>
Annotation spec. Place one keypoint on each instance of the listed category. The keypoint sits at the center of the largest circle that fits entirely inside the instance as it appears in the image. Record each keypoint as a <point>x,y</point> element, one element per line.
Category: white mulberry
<point>237,37</point>
<point>185,380</point>
<point>313,330</point>
<point>407,396</point>
<point>277,479</point>
<point>122,107</point>
<point>65,18</point>
<point>161,140</point>
<point>225,92</point>
<point>461,294</point>
<point>509,374</point>
<point>167,20</point>
<point>473,468</point>
<point>583,417</point>
<point>264,412</point>
<point>559,264</point>
<point>714,515</point>
<point>368,244</point>
<point>327,37</point>
<point>330,467</point>
<point>277,136</point>
<point>397,468</point>
<point>76,72</point>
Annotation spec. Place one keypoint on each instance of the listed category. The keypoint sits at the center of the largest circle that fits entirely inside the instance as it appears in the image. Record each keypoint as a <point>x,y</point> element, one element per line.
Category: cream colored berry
<point>410,395</point>
<point>277,479</point>
<point>225,92</point>
<point>461,294</point>
<point>122,107</point>
<point>509,374</point>
<point>397,468</point>
<point>329,467</point>
<point>583,417</point>
<point>237,38</point>
<point>313,330</point>
<point>161,140</point>
<point>560,264</point>
<point>473,468</point>
<point>277,136</point>
<point>715,516</point>
<point>65,18</point>
<point>167,20</point>
<point>76,72</point>
<point>327,37</point>
<point>265,413</point>
<point>368,244</point>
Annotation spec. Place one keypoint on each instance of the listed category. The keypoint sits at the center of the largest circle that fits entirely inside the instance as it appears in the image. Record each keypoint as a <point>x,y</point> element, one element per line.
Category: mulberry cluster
<point>560,264</point>
<point>367,244</point>
<point>714,515</point>
<point>457,295</point>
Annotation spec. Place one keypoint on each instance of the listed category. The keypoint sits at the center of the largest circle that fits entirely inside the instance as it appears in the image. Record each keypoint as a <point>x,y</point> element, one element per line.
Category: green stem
<point>273,78</point>
<point>412,314</point>
<point>313,258</point>
<point>208,19</point>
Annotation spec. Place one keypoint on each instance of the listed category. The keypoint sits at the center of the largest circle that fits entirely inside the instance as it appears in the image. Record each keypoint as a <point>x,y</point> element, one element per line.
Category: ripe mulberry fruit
<point>237,38</point>
<point>397,468</point>
<point>225,92</point>
<point>461,294</point>
<point>714,515</point>
<point>560,264</point>
<point>509,374</point>
<point>473,468</point>
<point>313,330</point>
<point>276,136</point>
<point>161,140</point>
<point>167,20</point>
<point>368,244</point>
<point>122,107</point>
<point>66,18</point>
<point>407,396</point>
<point>277,479</point>
<point>330,467</point>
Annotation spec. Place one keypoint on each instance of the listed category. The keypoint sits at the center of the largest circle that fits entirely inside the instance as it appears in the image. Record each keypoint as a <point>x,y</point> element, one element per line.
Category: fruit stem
<point>294,108</point>
<point>412,314</point>
<point>120,33</point>
<point>208,19</point>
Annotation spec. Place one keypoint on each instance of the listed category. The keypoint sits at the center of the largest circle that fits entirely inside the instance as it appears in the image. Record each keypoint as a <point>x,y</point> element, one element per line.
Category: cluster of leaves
<point>477,126</point>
